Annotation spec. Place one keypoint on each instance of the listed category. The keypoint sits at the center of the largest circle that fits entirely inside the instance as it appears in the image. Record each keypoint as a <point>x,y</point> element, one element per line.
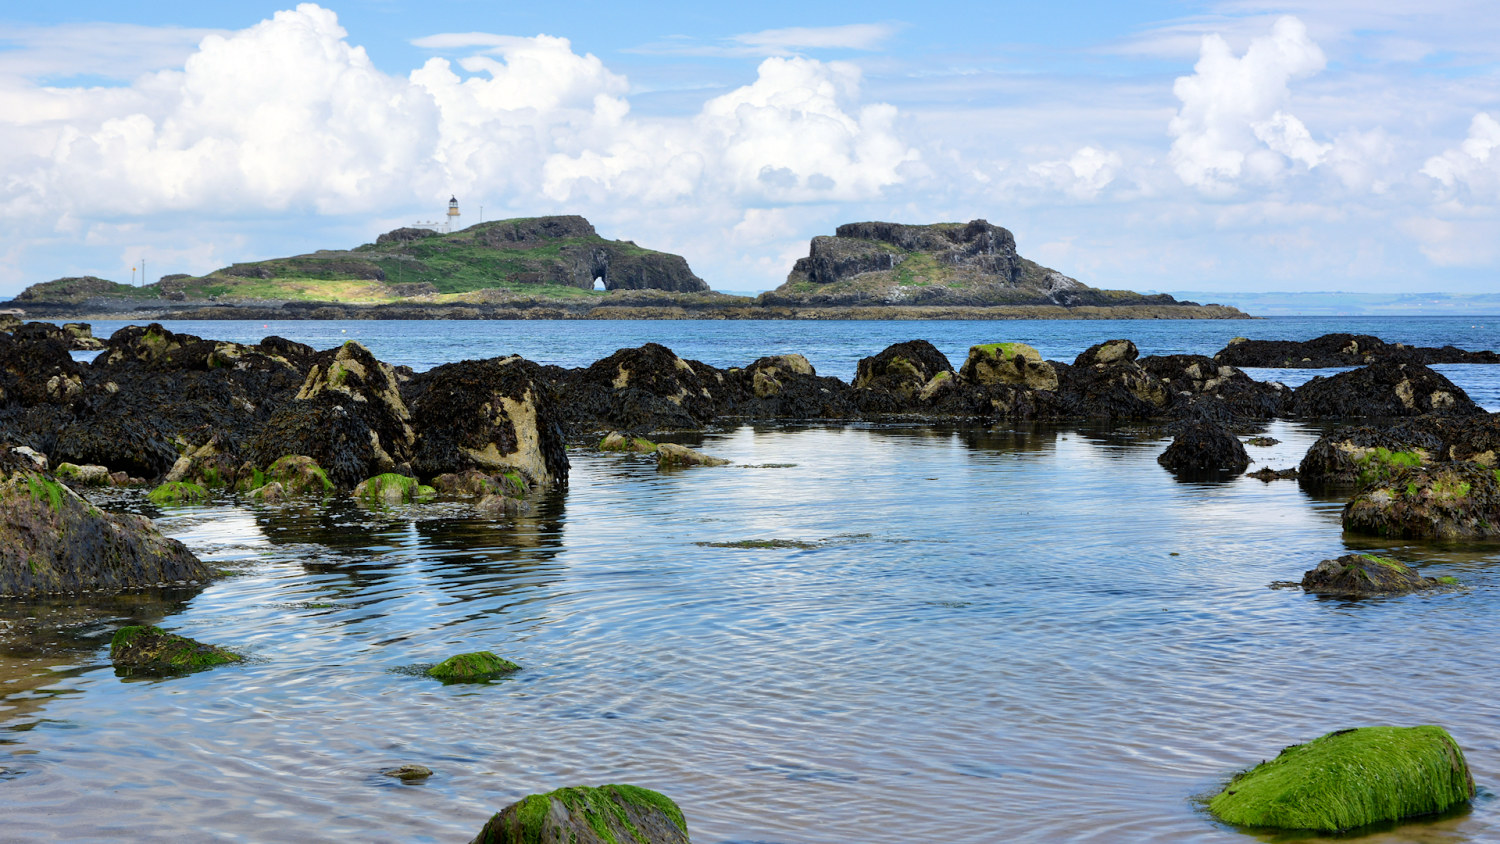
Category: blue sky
<point>1212,146</point>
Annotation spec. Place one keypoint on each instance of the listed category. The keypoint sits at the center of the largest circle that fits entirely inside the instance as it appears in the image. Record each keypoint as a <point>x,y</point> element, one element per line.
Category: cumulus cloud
<point>785,42</point>
<point>1083,175</point>
<point>1473,166</point>
<point>1233,122</point>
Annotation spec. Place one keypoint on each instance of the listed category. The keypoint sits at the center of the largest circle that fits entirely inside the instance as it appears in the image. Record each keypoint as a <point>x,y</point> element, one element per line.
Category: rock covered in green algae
<point>51,540</point>
<point>154,649</point>
<point>409,773</point>
<point>178,492</point>
<point>1349,779</point>
<point>299,475</point>
<point>1008,363</point>
<point>609,814</point>
<point>616,441</point>
<point>391,488</point>
<point>1459,500</point>
<point>472,668</point>
<point>1359,575</point>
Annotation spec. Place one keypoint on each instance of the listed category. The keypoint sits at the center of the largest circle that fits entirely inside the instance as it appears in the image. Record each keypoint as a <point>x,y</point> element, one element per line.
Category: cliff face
<point>965,264</point>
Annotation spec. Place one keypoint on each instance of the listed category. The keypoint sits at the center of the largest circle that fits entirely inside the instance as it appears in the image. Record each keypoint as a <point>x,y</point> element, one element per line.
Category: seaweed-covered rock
<point>608,814</point>
<point>391,488</point>
<point>155,650</point>
<point>1204,450</point>
<point>353,375</point>
<point>51,540</point>
<point>673,456</point>
<point>1349,779</point>
<point>1361,575</point>
<point>476,484</point>
<point>214,465</point>
<point>176,492</point>
<point>491,415</point>
<point>496,505</point>
<point>1361,454</point>
<point>616,441</point>
<point>89,474</point>
<point>37,371</point>
<point>1340,350</point>
<point>1009,363</point>
<point>472,667</point>
<point>1106,353</point>
<point>893,380</point>
<point>298,474</point>
<point>408,773</point>
<point>1194,377</point>
<point>1381,389</point>
<point>330,430</point>
<point>648,388</point>
<point>1445,501</point>
<point>787,387</point>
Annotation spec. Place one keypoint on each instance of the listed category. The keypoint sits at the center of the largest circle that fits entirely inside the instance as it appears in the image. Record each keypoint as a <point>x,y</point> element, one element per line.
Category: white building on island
<point>447,226</point>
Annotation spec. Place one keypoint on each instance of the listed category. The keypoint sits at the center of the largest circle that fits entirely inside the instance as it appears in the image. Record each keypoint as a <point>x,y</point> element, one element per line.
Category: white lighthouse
<point>452,215</point>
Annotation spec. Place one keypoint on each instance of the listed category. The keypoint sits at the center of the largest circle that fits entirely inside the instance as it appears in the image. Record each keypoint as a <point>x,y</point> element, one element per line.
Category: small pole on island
<point>143,272</point>
<point>132,276</point>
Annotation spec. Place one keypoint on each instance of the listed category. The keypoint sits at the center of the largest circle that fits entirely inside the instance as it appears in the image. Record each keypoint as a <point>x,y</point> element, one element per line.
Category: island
<point>559,267</point>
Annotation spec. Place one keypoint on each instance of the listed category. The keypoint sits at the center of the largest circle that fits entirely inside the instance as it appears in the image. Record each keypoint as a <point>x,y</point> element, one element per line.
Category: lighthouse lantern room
<point>452,213</point>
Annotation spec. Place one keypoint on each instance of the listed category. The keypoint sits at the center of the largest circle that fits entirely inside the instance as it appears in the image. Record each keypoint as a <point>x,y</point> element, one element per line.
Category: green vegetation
<point>176,492</point>
<point>391,488</point>
<point>152,647</point>
<point>1379,463</point>
<point>45,491</point>
<point>1349,779</point>
<point>473,667</point>
<point>601,809</point>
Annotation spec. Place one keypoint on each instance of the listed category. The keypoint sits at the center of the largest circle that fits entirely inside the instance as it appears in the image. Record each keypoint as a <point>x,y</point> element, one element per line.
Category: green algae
<point>1379,463</point>
<point>1349,779</point>
<point>391,488</point>
<point>141,646</point>
<point>999,351</point>
<point>177,492</point>
<point>45,491</point>
<point>605,810</point>
<point>299,474</point>
<point>472,667</point>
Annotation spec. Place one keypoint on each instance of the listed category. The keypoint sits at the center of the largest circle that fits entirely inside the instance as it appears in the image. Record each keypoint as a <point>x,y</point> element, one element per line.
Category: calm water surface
<point>1018,633</point>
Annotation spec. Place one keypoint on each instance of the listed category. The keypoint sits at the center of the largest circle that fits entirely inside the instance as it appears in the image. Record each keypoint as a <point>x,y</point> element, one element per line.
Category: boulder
<point>787,387</point>
<point>1340,350</point>
<point>1459,500</point>
<point>893,380</point>
<point>1381,389</point>
<point>1106,353</point>
<point>1195,377</point>
<point>153,649</point>
<point>353,375</point>
<point>616,441</point>
<point>1106,382</point>
<point>473,667</point>
<point>34,372</point>
<point>297,475</point>
<point>476,484</point>
<point>648,388</point>
<point>496,505</point>
<point>1204,450</point>
<point>673,456</point>
<point>51,540</point>
<point>89,474</point>
<point>213,465</point>
<point>491,415</point>
<point>408,773</point>
<point>1350,779</point>
<point>330,430</point>
<point>1364,575</point>
<point>175,492</point>
<point>607,814</point>
<point>81,337</point>
<point>1362,454</point>
<point>1010,363</point>
<point>391,488</point>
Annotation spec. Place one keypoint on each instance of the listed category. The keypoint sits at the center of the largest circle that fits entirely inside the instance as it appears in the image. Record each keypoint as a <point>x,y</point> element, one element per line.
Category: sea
<point>851,633</point>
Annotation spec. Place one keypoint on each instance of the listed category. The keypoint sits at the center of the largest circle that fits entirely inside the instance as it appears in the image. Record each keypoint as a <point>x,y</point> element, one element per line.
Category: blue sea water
<point>1009,633</point>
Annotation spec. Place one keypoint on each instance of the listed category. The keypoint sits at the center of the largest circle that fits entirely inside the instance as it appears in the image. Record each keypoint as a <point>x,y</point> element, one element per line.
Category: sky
<point>1237,145</point>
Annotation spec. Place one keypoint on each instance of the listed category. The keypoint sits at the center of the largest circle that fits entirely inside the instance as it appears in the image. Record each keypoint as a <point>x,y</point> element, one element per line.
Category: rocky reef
<point>972,264</point>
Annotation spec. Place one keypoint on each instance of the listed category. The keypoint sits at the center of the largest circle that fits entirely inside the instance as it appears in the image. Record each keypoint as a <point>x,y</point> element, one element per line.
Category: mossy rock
<point>391,488</point>
<point>672,456</point>
<point>1378,464</point>
<point>473,667</point>
<point>299,475</point>
<point>154,649</point>
<point>1349,779</point>
<point>178,492</point>
<point>608,814</point>
<point>1359,575</point>
<point>616,441</point>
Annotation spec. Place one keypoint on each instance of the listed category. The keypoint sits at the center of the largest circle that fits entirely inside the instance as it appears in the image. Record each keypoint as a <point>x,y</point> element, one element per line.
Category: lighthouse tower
<point>452,214</point>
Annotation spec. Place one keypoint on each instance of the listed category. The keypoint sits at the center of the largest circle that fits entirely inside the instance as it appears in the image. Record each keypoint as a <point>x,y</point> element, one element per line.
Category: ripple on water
<point>1032,633</point>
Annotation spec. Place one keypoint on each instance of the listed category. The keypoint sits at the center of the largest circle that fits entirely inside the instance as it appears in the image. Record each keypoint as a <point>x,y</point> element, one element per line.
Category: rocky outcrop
<point>1203,450</point>
<point>1331,350</point>
<point>584,815</point>
<point>1381,389</point>
<point>1367,575</point>
<point>1009,363</point>
<point>494,416</point>
<point>643,389</point>
<point>890,381</point>
<point>51,540</point>
<point>1447,501</point>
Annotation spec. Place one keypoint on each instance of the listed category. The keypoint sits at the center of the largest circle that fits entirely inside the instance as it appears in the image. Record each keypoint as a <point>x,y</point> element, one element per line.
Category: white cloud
<point>854,36</point>
<point>1233,123</point>
<point>1082,176</point>
<point>1475,165</point>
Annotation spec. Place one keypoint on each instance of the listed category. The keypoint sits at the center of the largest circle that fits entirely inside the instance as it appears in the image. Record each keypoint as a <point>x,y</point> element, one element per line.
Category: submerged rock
<point>672,455</point>
<point>408,773</point>
<point>609,814</point>
<point>154,649</point>
<point>1204,450</point>
<point>51,540</point>
<point>176,492</point>
<point>616,441</point>
<point>1359,575</point>
<point>473,667</point>
<point>1447,501</point>
<point>391,488</point>
<point>1349,779</point>
<point>298,475</point>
